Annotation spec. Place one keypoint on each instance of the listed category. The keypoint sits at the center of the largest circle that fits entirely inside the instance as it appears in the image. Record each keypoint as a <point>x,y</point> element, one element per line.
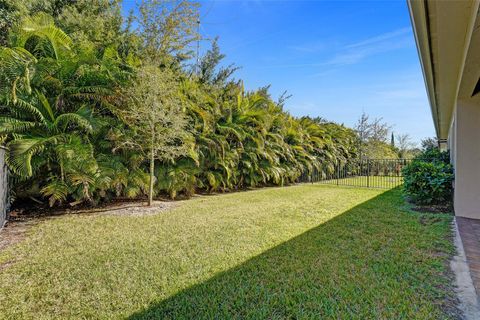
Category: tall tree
<point>167,30</point>
<point>209,71</point>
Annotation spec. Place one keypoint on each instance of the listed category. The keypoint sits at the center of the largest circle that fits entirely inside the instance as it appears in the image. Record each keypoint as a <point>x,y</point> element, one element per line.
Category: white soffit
<point>471,70</point>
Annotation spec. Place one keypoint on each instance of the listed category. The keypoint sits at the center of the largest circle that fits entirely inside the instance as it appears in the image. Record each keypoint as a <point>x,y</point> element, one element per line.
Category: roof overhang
<point>443,33</point>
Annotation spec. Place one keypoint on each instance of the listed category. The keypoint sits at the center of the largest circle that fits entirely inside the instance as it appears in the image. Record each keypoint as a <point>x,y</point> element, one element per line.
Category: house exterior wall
<point>447,34</point>
<point>465,148</point>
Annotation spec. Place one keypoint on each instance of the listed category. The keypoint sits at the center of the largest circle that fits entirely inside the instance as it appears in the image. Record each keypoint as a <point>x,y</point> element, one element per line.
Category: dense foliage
<point>62,97</point>
<point>428,178</point>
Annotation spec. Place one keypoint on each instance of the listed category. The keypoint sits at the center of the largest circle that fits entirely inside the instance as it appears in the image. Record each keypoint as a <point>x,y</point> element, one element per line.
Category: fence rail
<point>368,173</point>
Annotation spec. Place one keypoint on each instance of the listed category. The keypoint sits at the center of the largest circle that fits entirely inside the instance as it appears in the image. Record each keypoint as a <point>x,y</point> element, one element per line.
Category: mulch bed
<point>438,208</point>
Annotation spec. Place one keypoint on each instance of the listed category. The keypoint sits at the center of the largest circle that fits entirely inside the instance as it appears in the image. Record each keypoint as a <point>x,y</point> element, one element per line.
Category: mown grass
<point>309,251</point>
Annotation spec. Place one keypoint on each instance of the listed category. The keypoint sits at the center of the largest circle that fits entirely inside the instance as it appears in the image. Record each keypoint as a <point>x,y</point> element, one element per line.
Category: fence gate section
<point>368,173</point>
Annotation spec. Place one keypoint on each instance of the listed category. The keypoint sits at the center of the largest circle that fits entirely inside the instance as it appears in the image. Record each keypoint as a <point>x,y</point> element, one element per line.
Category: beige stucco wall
<point>466,149</point>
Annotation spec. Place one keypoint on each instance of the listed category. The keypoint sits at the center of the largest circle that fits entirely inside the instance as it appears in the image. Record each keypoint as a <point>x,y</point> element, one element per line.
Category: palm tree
<point>48,97</point>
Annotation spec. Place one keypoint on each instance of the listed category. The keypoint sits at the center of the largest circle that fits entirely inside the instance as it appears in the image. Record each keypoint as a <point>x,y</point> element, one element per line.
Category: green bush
<point>434,155</point>
<point>428,179</point>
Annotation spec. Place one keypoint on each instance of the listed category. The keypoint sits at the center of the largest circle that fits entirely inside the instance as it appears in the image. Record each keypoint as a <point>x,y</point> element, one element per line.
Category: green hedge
<point>428,179</point>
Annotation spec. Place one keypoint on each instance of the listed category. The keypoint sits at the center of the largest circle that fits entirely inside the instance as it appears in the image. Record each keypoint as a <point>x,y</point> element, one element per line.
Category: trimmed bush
<point>428,179</point>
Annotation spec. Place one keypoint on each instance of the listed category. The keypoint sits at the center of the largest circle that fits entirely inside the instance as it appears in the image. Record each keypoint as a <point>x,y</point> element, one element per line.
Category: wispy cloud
<point>309,48</point>
<point>354,52</point>
<point>358,51</point>
<point>381,38</point>
<point>293,65</point>
<point>323,73</point>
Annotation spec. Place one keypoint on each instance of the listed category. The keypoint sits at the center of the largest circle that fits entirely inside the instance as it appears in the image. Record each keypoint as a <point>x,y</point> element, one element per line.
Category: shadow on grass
<point>373,261</point>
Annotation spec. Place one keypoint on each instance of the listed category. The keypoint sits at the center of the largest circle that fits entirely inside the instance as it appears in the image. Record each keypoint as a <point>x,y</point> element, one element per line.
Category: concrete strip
<point>465,290</point>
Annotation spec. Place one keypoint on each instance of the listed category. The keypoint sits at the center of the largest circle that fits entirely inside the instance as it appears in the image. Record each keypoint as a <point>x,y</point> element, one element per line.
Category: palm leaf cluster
<point>245,139</point>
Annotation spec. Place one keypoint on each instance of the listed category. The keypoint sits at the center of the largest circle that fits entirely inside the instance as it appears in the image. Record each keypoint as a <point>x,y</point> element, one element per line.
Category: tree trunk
<point>62,172</point>
<point>152,169</point>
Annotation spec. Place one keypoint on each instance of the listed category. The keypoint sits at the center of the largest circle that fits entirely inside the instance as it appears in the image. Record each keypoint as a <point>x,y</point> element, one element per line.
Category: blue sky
<point>337,58</point>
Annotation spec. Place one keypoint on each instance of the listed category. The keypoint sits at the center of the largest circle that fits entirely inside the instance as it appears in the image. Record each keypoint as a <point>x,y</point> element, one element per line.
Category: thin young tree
<point>153,112</point>
<point>404,144</point>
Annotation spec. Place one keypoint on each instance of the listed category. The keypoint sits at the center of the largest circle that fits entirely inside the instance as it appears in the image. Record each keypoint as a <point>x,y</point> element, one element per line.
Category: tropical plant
<point>49,93</point>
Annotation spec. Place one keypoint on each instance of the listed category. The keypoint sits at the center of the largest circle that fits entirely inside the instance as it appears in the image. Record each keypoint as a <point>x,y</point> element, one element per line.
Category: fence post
<point>368,173</point>
<point>338,172</point>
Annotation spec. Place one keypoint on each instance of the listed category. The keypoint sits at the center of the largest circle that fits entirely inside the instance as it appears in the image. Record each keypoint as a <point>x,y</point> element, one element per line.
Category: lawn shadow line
<point>360,264</point>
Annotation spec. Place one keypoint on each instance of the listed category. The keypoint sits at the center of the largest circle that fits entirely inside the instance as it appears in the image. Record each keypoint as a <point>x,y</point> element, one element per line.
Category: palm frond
<point>43,26</point>
<point>21,152</point>
<point>12,125</point>
<point>73,119</point>
<point>56,191</point>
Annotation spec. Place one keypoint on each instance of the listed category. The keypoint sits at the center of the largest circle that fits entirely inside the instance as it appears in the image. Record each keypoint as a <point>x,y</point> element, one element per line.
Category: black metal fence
<point>368,173</point>
<point>3,188</point>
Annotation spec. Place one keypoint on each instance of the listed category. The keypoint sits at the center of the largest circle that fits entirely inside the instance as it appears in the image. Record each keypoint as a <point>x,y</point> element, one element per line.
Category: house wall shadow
<point>376,260</point>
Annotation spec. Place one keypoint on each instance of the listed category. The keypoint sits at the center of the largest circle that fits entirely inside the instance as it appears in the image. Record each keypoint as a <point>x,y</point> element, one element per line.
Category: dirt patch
<point>128,209</point>
<point>14,232</point>
<point>117,208</point>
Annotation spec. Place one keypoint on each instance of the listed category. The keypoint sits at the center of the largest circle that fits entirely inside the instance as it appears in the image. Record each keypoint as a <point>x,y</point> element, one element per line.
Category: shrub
<point>434,155</point>
<point>428,179</point>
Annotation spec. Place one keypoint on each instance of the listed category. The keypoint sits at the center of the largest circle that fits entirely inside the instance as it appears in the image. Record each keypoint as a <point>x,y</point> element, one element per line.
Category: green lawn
<point>308,251</point>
